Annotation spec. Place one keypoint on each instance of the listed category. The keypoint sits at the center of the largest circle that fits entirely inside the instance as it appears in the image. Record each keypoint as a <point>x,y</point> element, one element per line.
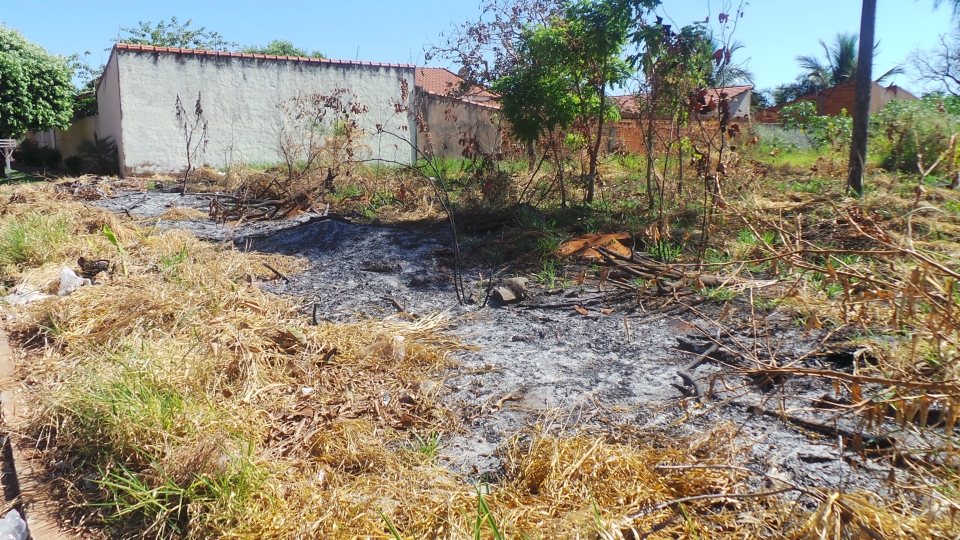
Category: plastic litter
<point>13,527</point>
<point>21,298</point>
<point>70,281</point>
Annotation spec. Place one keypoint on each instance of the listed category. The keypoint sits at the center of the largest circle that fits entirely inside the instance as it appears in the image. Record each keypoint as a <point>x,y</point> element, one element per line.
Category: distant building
<point>628,134</point>
<point>832,101</point>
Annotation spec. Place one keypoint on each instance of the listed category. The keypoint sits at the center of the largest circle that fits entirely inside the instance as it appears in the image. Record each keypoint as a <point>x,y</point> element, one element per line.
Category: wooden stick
<point>277,272</point>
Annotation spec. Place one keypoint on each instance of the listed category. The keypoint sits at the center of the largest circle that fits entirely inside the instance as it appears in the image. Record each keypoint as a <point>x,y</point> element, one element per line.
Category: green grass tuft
<point>33,239</point>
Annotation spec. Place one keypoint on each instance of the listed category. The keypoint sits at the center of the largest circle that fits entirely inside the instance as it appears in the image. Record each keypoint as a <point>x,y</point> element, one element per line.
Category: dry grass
<point>178,399</point>
<point>180,213</point>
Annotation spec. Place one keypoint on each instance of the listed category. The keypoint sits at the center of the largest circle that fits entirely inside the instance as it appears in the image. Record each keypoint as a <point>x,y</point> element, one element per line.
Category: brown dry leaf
<point>581,310</point>
<point>814,322</point>
<point>581,277</point>
<point>584,246</point>
<point>606,311</point>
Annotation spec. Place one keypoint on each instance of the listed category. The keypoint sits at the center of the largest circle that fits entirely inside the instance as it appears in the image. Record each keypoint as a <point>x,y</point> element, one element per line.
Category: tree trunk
<point>649,145</point>
<point>595,151</point>
<point>861,106</point>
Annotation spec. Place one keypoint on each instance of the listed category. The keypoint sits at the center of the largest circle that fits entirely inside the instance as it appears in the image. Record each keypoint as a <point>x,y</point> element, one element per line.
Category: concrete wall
<point>448,120</point>
<point>240,99</point>
<point>68,140</point>
<point>109,109</point>
<point>740,105</point>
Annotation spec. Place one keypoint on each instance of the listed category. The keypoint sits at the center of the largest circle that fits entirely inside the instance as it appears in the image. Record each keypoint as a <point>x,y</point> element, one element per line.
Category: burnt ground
<point>556,367</point>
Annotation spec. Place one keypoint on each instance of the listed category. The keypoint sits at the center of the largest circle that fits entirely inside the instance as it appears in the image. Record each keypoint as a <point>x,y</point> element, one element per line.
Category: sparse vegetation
<point>179,399</point>
<point>33,238</point>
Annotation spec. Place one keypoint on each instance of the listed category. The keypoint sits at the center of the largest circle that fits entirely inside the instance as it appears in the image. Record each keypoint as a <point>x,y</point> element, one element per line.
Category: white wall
<point>448,119</point>
<point>740,105</point>
<point>109,111</point>
<point>240,98</point>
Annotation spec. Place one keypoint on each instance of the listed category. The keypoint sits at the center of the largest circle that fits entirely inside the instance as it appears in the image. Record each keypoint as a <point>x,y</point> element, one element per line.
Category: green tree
<point>861,109</point>
<point>561,70</point>
<point>281,47</point>
<point>173,34</point>
<point>674,66</point>
<point>36,91</point>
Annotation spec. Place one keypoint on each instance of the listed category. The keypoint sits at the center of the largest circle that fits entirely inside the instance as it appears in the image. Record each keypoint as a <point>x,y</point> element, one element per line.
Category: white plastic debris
<point>21,298</point>
<point>70,281</point>
<point>13,527</point>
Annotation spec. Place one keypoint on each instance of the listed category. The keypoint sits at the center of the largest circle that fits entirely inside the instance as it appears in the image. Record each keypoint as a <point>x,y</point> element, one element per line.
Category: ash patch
<point>551,367</point>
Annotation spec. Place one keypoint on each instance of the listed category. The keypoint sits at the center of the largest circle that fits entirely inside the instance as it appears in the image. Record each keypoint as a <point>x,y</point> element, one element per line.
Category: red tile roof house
<point>241,96</point>
<point>628,134</point>
<point>454,118</point>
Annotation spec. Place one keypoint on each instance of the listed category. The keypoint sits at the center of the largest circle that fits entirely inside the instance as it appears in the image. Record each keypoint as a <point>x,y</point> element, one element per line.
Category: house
<point>832,101</point>
<point>242,97</point>
<point>455,120</point>
<point>628,133</point>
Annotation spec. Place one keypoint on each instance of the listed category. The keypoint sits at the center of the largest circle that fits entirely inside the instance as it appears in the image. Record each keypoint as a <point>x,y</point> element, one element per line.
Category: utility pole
<point>861,106</point>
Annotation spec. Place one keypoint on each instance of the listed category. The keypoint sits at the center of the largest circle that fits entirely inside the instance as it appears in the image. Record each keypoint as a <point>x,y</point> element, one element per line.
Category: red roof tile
<point>443,82</point>
<point>628,104</point>
<point>218,54</point>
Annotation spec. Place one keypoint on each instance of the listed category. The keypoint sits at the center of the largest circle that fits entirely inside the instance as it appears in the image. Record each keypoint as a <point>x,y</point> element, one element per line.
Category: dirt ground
<point>541,362</point>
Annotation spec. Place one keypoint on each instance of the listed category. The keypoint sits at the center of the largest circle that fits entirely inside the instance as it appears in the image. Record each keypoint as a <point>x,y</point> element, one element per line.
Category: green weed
<point>33,239</point>
<point>170,262</point>
<point>549,276</point>
<point>720,294</point>
<point>108,232</point>
<point>814,185</point>
<point>665,251</point>
<point>484,516</point>
<point>426,445</point>
<point>548,245</point>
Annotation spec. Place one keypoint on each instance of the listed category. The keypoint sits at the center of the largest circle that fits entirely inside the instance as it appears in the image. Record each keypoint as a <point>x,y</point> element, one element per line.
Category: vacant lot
<point>317,376</point>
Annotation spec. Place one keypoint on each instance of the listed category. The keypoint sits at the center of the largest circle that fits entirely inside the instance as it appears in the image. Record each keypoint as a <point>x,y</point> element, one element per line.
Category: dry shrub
<point>866,515</point>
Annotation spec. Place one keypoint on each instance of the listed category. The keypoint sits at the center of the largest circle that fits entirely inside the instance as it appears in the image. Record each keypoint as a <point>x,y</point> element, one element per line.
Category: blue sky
<point>774,32</point>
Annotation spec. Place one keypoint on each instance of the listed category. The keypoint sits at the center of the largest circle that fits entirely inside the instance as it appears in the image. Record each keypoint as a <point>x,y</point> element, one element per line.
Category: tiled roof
<point>730,91</point>
<point>443,82</point>
<point>224,54</point>
<point>628,104</point>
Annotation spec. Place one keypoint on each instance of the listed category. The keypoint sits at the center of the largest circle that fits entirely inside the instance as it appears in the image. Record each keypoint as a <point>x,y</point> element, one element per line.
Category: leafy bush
<point>84,106</point>
<point>823,132</point>
<point>99,156</point>
<point>37,92</point>
<point>906,130</point>
<point>74,165</point>
<point>33,155</point>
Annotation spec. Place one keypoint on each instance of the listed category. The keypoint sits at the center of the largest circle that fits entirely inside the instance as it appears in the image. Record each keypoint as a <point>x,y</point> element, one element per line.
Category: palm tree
<point>956,5</point>
<point>841,64</point>
<point>728,74</point>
